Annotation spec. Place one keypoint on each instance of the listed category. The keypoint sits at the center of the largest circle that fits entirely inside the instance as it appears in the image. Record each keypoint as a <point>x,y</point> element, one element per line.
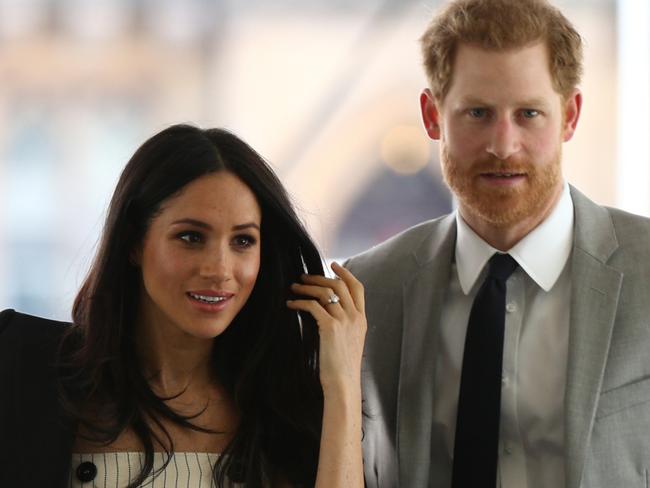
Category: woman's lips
<point>209,301</point>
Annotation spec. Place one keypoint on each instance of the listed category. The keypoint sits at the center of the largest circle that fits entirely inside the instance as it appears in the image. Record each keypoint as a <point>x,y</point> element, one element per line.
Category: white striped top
<point>118,469</point>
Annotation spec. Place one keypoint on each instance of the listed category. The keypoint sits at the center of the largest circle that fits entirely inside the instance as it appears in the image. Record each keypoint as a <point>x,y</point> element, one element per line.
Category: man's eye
<point>477,113</point>
<point>530,113</point>
<point>190,237</point>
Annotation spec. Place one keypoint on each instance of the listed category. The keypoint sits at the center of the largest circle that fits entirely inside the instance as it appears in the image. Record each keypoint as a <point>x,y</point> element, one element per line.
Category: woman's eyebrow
<point>204,225</point>
<point>246,226</point>
<point>197,223</point>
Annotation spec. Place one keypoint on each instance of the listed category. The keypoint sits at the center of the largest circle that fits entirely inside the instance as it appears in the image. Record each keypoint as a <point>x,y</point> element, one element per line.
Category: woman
<point>204,336</point>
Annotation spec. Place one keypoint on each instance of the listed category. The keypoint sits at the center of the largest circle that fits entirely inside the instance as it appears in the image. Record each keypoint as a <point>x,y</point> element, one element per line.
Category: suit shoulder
<point>625,220</point>
<point>390,258</point>
<point>632,233</point>
<point>6,317</point>
<point>19,328</point>
<point>28,354</point>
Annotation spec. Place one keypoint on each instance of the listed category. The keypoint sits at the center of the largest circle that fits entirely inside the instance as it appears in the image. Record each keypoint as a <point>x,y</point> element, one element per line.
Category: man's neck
<point>505,237</point>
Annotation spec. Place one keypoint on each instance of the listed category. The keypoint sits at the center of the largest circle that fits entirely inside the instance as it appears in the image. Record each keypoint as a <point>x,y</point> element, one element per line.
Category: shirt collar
<point>542,253</point>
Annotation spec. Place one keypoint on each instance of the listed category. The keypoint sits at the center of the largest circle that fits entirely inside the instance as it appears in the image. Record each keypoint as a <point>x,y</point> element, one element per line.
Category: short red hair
<point>501,25</point>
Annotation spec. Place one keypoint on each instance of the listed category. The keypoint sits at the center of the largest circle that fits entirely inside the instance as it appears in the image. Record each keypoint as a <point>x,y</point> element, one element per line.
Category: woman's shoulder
<point>22,329</point>
<point>28,357</point>
<point>10,317</point>
<point>30,415</point>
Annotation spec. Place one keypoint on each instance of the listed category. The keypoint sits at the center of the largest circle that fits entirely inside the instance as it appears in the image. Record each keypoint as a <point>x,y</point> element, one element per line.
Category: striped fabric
<point>118,469</point>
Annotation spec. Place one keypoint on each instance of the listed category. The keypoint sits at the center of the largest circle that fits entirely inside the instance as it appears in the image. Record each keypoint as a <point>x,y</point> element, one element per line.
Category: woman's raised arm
<point>337,305</point>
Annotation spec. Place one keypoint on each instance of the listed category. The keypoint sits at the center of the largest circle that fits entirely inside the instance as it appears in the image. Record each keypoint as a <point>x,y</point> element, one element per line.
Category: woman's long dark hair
<point>267,359</point>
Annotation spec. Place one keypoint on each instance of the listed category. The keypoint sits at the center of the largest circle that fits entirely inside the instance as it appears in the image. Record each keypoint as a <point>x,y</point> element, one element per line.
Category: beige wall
<point>326,100</point>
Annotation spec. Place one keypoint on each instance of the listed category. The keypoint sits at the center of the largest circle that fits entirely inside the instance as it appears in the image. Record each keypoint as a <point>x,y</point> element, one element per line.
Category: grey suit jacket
<point>608,380</point>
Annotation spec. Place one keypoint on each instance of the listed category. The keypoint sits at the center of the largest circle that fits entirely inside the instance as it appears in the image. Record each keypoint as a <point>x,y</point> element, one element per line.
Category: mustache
<point>488,163</point>
<point>496,165</point>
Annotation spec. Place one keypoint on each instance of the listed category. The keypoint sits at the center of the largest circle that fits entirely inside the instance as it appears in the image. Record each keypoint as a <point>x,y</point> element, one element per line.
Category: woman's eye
<point>190,237</point>
<point>244,241</point>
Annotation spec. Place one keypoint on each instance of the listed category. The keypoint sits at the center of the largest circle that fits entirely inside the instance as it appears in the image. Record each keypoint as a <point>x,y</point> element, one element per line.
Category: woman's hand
<point>337,305</point>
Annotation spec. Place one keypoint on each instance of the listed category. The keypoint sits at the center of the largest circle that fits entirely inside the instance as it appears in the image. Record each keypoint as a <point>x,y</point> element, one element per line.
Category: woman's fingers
<point>337,286</point>
<point>323,294</point>
<point>341,325</point>
<point>326,296</point>
<point>346,286</point>
<point>311,306</point>
<point>354,286</point>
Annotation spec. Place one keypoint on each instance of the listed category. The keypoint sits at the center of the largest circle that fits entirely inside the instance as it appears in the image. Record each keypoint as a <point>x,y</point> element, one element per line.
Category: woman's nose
<point>216,264</point>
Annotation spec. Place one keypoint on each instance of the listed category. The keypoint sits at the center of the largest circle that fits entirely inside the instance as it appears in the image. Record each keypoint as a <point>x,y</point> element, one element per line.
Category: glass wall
<point>326,90</point>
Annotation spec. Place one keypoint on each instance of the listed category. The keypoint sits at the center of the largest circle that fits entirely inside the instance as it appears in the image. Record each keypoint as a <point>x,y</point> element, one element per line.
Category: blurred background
<point>326,90</point>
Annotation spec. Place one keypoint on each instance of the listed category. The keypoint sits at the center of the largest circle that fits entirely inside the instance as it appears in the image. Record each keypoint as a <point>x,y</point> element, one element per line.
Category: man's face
<point>501,127</point>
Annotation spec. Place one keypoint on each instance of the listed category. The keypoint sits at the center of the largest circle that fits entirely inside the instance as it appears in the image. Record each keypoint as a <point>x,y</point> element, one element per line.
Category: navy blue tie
<point>479,401</point>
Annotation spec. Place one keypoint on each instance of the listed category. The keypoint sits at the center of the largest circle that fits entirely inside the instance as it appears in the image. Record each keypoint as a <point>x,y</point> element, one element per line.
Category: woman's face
<point>200,257</point>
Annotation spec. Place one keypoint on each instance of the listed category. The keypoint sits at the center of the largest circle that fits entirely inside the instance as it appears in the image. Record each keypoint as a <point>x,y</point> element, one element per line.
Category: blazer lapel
<point>595,290</point>
<point>422,301</point>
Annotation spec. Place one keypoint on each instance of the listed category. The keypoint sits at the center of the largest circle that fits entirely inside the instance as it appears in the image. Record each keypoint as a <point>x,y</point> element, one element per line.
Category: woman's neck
<point>172,360</point>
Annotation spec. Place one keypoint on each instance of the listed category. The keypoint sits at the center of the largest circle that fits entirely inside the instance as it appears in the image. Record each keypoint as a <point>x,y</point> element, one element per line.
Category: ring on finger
<point>333,298</point>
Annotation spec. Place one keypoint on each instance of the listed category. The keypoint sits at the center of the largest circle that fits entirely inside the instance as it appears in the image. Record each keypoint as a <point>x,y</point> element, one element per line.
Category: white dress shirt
<point>535,349</point>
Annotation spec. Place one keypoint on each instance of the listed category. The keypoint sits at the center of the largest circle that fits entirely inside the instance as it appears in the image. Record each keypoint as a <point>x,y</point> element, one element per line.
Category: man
<point>570,336</point>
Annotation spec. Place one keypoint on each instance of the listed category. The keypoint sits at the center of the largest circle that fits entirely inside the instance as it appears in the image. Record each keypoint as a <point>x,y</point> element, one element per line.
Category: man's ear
<point>571,107</point>
<point>430,114</point>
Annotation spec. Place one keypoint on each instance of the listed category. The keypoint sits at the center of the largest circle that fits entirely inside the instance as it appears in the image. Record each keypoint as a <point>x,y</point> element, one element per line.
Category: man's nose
<point>504,140</point>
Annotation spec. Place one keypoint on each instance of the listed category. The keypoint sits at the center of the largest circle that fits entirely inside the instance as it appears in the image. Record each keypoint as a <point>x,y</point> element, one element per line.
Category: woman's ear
<point>135,256</point>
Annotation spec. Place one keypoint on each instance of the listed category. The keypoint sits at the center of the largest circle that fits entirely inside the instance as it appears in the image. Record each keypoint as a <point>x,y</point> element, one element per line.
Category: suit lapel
<point>595,291</point>
<point>422,302</point>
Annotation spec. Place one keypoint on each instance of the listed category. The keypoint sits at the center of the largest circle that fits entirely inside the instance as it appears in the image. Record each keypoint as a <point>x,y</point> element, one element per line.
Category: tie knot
<point>501,266</point>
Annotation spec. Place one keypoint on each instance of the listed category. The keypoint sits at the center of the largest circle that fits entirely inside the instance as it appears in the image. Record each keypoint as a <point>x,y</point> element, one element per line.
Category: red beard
<point>503,205</point>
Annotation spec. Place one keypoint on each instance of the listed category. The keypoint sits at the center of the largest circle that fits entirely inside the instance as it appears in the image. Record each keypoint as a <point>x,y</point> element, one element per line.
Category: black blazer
<point>35,437</point>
